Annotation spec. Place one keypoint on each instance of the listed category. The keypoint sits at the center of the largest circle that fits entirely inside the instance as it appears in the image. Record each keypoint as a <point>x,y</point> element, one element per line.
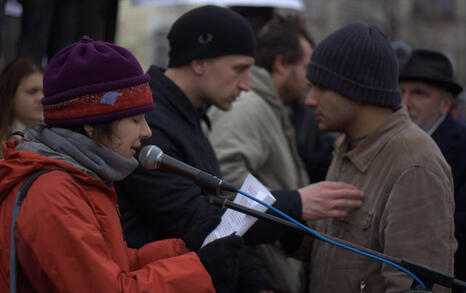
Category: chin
<point>224,107</point>
<point>322,128</point>
<point>128,155</point>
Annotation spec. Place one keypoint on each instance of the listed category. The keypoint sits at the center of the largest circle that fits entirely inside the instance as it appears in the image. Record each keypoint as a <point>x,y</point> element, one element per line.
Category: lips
<point>135,148</point>
<point>318,116</point>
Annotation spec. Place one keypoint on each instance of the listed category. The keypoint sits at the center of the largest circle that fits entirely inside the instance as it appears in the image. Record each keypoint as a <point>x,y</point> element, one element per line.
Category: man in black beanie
<point>353,75</point>
<point>211,51</point>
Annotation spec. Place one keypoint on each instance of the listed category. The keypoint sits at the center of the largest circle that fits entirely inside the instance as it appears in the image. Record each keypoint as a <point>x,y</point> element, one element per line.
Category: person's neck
<point>369,118</point>
<point>19,125</point>
<point>183,79</point>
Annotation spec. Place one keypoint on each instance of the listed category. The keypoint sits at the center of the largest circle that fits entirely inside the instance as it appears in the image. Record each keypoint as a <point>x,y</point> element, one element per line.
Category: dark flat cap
<point>433,67</point>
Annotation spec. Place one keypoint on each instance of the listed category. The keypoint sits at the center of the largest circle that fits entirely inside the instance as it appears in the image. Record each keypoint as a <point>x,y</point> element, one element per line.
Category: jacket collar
<point>261,83</point>
<point>164,90</point>
<point>79,151</point>
<point>18,165</point>
<point>448,133</point>
<point>365,153</point>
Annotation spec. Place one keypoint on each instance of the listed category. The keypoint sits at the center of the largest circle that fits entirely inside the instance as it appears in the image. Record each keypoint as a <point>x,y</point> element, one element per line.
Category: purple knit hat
<point>92,82</point>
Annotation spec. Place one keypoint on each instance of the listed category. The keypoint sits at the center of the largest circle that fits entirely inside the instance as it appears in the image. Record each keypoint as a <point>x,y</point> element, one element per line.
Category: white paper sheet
<point>237,222</point>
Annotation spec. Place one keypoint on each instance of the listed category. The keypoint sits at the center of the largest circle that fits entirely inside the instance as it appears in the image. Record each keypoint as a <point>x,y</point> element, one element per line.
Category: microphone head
<point>150,156</point>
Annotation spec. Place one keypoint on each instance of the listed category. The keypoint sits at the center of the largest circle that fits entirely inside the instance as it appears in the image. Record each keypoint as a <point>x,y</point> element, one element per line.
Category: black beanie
<point>207,32</point>
<point>358,62</point>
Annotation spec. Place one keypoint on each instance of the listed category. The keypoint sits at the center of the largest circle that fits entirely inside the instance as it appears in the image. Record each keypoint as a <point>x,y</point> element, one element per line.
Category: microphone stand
<point>428,275</point>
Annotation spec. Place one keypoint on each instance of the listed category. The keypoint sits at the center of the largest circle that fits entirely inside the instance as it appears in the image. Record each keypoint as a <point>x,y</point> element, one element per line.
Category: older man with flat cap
<point>429,90</point>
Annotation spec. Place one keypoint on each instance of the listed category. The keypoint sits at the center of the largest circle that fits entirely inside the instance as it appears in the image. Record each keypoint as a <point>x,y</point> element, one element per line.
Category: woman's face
<point>27,106</point>
<point>127,134</point>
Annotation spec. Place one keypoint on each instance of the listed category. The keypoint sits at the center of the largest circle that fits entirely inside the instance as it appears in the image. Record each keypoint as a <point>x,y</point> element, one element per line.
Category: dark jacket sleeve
<point>263,231</point>
<point>158,205</point>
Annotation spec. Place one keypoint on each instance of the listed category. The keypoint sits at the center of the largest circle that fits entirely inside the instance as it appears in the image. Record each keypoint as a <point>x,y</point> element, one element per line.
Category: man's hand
<point>329,200</point>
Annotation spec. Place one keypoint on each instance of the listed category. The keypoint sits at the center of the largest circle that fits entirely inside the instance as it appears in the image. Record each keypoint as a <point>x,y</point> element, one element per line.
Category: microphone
<point>152,157</point>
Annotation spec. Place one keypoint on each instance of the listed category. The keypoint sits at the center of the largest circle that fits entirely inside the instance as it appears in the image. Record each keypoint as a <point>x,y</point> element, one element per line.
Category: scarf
<point>80,151</point>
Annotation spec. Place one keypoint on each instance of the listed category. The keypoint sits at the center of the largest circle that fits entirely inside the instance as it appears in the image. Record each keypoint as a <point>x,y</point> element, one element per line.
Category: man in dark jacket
<point>211,51</point>
<point>429,90</point>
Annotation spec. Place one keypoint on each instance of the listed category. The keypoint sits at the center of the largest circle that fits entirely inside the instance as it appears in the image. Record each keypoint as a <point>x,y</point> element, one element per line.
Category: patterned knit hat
<point>92,82</point>
<point>358,62</point>
<point>208,32</point>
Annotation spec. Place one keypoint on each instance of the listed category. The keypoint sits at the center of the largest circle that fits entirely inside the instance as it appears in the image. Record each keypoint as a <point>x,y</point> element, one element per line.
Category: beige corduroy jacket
<point>407,211</point>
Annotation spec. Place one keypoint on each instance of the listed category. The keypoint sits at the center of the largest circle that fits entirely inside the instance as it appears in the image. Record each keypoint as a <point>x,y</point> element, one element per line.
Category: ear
<point>445,104</point>
<point>198,66</point>
<point>89,129</point>
<point>279,66</point>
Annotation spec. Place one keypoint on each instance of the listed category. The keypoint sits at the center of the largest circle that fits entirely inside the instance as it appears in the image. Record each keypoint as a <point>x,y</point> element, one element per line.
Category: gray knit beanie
<point>358,62</point>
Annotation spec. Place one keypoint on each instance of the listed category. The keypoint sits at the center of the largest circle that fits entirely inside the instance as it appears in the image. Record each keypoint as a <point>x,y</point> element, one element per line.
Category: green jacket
<point>256,136</point>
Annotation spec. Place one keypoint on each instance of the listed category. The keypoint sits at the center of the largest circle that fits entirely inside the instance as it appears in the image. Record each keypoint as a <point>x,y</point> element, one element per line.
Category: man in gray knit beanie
<point>353,74</point>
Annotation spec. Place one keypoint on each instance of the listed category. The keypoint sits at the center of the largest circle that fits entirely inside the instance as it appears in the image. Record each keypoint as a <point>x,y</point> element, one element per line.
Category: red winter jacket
<point>68,237</point>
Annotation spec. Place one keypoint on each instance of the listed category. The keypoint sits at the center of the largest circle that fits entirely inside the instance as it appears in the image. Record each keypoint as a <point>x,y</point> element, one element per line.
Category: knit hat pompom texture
<point>93,82</point>
<point>358,62</point>
<point>208,32</point>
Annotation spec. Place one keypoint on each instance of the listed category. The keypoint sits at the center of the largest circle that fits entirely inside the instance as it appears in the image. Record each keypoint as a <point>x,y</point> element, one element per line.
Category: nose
<point>145,131</point>
<point>244,83</point>
<point>405,99</point>
<point>39,95</point>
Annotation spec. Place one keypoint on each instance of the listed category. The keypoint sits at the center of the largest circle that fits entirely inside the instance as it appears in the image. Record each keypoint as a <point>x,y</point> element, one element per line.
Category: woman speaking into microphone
<point>60,226</point>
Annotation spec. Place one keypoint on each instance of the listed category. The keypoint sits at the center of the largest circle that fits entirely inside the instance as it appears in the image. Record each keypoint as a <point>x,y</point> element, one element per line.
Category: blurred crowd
<point>39,29</point>
<point>356,136</point>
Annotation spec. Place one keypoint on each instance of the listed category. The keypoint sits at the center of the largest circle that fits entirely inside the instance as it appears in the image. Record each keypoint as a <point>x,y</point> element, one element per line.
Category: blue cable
<point>317,235</point>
